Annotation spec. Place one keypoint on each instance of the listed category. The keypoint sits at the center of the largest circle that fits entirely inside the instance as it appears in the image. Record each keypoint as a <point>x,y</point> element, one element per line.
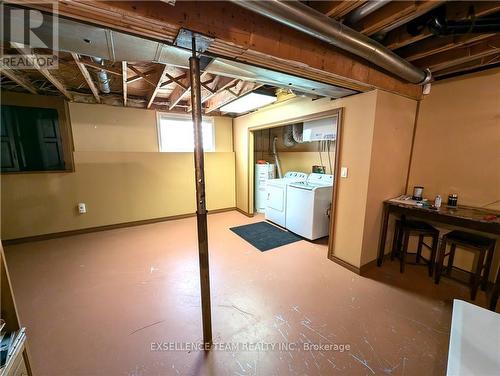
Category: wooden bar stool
<point>481,245</point>
<point>406,228</point>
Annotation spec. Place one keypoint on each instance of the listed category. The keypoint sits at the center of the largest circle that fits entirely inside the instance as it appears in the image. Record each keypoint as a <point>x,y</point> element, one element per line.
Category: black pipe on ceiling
<point>440,26</point>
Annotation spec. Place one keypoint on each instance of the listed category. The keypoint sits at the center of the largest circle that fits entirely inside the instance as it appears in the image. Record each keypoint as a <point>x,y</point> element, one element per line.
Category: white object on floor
<point>276,196</point>
<point>263,172</point>
<point>474,341</point>
<point>308,206</point>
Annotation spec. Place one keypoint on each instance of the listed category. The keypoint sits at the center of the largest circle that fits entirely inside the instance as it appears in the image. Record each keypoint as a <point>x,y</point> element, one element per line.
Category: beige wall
<point>390,157</point>
<point>357,134</point>
<point>457,146</point>
<point>457,143</point>
<point>119,174</point>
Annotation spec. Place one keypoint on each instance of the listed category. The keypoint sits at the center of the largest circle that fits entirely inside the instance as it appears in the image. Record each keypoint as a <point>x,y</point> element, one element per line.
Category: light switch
<point>343,172</point>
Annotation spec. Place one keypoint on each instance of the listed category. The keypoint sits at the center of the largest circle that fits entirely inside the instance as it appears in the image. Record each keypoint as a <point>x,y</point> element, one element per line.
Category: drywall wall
<point>457,141</point>
<point>457,146</point>
<point>390,156</point>
<point>357,134</point>
<point>119,174</point>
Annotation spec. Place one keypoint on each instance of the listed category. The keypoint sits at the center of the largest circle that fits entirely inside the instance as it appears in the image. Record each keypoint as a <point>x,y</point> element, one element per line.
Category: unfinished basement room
<point>211,188</point>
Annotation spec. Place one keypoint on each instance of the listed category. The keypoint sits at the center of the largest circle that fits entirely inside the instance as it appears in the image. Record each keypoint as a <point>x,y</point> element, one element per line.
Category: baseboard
<point>244,213</point>
<point>88,230</point>
<point>345,264</point>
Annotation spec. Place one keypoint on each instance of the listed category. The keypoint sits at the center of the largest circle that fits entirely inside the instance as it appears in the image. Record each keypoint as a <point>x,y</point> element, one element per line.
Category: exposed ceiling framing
<point>133,84</point>
<point>400,25</point>
<point>403,26</point>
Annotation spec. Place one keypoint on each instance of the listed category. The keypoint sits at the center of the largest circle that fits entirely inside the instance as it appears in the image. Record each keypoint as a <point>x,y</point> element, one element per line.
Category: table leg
<point>383,234</point>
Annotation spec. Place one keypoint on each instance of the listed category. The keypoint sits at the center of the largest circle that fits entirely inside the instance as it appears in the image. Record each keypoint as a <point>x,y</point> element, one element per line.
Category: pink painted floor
<point>97,304</point>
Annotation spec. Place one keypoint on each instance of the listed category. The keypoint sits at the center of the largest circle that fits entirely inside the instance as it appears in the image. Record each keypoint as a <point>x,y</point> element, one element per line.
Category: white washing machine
<point>276,196</point>
<point>308,206</point>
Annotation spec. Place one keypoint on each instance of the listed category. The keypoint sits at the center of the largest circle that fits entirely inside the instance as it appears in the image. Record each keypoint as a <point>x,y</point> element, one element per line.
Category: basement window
<point>176,134</point>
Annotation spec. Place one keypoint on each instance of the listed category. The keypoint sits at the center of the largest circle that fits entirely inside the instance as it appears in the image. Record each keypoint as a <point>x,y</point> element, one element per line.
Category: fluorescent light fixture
<point>248,102</point>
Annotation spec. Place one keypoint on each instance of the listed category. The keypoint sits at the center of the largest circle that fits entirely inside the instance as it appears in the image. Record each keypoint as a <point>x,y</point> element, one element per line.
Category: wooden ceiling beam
<point>395,14</point>
<point>336,9</point>
<point>176,80</point>
<point>46,73</point>
<point>93,65</point>
<point>182,89</point>
<point>20,80</point>
<point>457,10</point>
<point>180,81</point>
<point>461,55</point>
<point>241,35</point>
<point>433,46</point>
<point>483,62</point>
<point>142,75</point>
<point>137,77</point>
<point>152,96</point>
<point>86,75</point>
<point>219,84</point>
<point>124,83</point>
<point>225,96</point>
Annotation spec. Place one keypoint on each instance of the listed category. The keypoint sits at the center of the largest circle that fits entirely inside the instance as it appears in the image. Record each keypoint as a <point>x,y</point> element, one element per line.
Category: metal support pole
<point>201,212</point>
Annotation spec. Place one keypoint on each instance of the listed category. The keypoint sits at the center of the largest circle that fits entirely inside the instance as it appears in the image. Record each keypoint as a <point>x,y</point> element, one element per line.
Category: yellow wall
<point>377,131</point>
<point>119,174</point>
<point>457,146</point>
<point>390,157</point>
<point>358,120</point>
<point>457,143</point>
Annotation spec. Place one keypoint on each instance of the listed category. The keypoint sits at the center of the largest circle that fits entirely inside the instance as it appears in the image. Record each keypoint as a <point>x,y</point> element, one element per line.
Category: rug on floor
<point>264,236</point>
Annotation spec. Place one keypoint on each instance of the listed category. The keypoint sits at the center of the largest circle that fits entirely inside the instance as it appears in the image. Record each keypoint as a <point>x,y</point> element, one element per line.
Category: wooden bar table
<point>467,217</point>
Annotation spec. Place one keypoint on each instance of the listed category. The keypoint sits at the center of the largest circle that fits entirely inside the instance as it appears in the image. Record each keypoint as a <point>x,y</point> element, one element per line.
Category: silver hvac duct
<point>102,77</point>
<point>364,10</point>
<point>303,18</point>
<point>277,158</point>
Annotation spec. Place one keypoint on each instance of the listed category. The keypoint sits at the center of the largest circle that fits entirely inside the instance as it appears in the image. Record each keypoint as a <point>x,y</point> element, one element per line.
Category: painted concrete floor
<point>113,302</point>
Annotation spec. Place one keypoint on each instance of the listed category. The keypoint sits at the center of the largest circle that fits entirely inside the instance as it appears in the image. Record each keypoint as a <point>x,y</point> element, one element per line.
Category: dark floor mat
<point>265,236</point>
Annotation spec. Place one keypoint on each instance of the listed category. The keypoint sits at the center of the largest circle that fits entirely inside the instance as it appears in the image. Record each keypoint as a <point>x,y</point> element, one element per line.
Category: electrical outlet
<point>344,172</point>
<point>82,208</point>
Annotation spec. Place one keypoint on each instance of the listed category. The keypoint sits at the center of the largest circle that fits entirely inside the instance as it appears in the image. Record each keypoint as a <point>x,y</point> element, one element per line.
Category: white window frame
<point>167,115</point>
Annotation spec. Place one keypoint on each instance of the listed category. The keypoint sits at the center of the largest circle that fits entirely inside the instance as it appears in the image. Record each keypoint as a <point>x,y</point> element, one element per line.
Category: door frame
<point>338,148</point>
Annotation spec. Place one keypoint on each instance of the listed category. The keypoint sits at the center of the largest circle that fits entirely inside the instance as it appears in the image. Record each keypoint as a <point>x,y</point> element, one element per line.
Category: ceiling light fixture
<point>248,102</point>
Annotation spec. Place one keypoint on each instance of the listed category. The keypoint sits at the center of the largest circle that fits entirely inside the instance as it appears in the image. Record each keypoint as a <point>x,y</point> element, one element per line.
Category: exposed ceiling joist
<point>152,96</point>
<point>433,46</point>
<point>142,75</point>
<point>461,55</point>
<point>86,75</point>
<point>255,40</point>
<point>394,14</point>
<point>46,73</point>
<point>219,84</point>
<point>224,97</point>
<point>400,36</point>
<point>180,81</point>
<point>482,62</point>
<point>124,82</point>
<point>182,89</point>
<point>20,80</point>
<point>177,79</point>
<point>54,81</point>
<point>336,9</point>
<point>91,64</point>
